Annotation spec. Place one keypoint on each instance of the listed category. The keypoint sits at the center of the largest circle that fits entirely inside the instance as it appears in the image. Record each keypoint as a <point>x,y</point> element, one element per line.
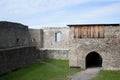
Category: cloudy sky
<point>42,13</point>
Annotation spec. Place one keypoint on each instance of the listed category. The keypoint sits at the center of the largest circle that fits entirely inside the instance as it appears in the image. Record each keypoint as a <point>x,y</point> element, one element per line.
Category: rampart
<point>15,58</point>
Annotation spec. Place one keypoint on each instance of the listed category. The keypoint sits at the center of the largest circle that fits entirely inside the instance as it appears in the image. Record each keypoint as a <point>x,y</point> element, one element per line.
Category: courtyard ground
<point>96,74</point>
<point>86,74</point>
<point>108,75</point>
<point>48,69</point>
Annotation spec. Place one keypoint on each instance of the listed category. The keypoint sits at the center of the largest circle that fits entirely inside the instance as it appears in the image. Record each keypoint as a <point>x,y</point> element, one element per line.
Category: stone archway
<point>93,59</point>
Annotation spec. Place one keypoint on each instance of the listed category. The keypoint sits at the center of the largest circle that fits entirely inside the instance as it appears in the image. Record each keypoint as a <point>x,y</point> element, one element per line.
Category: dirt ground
<point>86,75</point>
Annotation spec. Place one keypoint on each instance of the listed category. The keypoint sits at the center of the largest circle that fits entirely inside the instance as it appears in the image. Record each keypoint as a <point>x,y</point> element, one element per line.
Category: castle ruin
<point>84,45</point>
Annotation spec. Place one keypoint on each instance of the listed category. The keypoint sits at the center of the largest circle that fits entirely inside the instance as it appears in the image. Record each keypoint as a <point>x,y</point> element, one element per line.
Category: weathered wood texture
<point>89,32</point>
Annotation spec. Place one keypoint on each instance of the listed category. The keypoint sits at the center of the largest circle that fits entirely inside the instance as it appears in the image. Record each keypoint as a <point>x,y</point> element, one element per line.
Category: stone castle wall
<point>15,58</point>
<point>13,35</point>
<point>62,54</point>
<point>108,48</point>
<point>18,46</point>
<point>36,37</point>
<point>49,37</point>
<point>47,46</point>
<point>16,50</point>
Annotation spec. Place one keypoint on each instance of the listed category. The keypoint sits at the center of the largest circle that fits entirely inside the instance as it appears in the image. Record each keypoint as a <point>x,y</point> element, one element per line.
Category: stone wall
<point>62,54</point>
<point>13,35</point>
<point>36,37</point>
<point>15,58</point>
<point>108,48</point>
<point>50,39</point>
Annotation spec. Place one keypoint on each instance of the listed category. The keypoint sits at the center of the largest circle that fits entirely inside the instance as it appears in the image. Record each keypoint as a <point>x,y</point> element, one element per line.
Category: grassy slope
<point>108,75</point>
<point>42,70</point>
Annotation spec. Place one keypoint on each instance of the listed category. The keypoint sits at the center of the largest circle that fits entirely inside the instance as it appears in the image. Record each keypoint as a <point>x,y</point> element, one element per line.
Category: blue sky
<point>43,13</point>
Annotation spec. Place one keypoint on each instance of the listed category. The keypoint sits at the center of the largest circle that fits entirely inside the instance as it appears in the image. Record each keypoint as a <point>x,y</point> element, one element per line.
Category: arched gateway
<point>93,59</point>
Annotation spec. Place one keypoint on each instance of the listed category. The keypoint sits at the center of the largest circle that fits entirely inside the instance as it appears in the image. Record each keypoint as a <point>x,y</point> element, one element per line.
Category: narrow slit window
<point>17,40</point>
<point>57,37</point>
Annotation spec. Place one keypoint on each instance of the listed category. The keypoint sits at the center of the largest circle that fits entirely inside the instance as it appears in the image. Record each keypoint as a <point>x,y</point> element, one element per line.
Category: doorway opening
<point>93,59</point>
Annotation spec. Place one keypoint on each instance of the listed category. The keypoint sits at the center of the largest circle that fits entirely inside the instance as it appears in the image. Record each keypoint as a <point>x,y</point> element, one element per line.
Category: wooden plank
<point>96,31</point>
<point>79,32</point>
<point>101,31</point>
<point>89,32</point>
<point>84,30</point>
<point>75,35</point>
<point>92,32</point>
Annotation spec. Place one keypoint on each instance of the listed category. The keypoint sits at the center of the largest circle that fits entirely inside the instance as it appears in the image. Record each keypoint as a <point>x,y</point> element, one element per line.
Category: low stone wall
<point>12,59</point>
<point>54,54</point>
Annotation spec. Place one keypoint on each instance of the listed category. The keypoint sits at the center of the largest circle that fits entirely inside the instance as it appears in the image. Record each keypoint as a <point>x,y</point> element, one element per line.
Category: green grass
<point>48,69</point>
<point>108,75</point>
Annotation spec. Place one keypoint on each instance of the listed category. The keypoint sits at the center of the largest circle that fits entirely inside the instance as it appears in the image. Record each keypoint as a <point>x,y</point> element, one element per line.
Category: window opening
<point>57,37</point>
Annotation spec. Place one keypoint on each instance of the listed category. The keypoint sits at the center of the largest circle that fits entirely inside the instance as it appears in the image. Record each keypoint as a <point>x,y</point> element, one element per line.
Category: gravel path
<point>86,75</point>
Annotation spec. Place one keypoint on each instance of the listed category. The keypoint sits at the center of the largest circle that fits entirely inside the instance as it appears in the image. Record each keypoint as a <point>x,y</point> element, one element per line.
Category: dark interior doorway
<point>93,59</point>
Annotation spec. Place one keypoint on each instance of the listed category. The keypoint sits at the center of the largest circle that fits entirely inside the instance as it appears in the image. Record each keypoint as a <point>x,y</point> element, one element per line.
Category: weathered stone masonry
<point>88,45</point>
<point>108,47</point>
<point>15,58</point>
<point>49,37</point>
<point>36,37</point>
<point>13,35</point>
<point>49,47</point>
<point>16,49</point>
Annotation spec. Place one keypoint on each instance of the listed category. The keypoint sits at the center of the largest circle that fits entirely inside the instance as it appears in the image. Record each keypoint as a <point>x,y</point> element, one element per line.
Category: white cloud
<point>102,11</point>
<point>26,7</point>
<point>90,15</point>
<point>96,12</point>
<point>23,10</point>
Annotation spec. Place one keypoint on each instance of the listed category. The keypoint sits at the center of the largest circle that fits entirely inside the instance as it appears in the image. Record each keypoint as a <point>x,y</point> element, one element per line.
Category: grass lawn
<point>108,75</point>
<point>48,69</point>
